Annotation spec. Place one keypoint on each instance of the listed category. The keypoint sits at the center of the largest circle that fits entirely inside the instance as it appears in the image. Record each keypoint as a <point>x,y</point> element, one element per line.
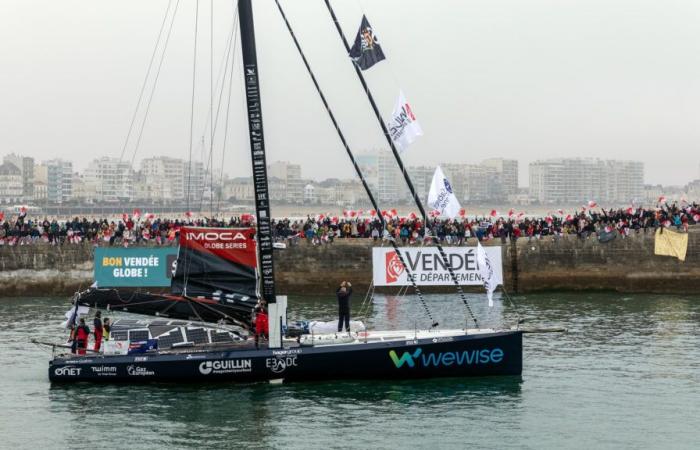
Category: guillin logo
<point>406,358</point>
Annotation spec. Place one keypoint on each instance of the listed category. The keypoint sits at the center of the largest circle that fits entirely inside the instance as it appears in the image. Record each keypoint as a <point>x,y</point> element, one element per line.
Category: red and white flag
<point>592,204</point>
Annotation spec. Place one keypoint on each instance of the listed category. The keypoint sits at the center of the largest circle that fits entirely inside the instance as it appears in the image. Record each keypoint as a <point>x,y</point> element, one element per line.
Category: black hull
<point>172,306</point>
<point>498,353</point>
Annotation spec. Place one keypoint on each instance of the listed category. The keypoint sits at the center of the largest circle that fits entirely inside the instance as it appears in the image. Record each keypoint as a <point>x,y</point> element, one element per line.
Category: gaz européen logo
<point>463,358</point>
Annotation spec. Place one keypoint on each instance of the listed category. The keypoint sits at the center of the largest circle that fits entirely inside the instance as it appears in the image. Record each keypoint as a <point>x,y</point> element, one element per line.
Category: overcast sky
<point>486,78</point>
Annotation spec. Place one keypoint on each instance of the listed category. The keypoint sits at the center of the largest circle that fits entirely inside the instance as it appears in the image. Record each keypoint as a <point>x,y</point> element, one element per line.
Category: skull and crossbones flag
<point>366,51</point>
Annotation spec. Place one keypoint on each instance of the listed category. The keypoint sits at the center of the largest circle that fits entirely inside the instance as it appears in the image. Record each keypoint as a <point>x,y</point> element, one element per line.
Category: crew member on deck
<point>99,330</point>
<point>343,293</point>
<point>107,327</point>
<point>261,323</point>
<point>81,337</point>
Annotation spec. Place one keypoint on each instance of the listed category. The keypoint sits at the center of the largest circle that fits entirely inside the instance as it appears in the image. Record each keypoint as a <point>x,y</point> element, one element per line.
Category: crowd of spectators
<point>603,224</point>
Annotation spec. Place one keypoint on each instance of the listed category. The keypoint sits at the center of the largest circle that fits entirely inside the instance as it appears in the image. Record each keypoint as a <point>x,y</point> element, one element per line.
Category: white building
<point>112,179</point>
<point>290,174</point>
<point>26,166</point>
<point>164,178</point>
<point>383,176</point>
<point>506,176</point>
<point>59,180</point>
<point>575,180</point>
<point>11,187</point>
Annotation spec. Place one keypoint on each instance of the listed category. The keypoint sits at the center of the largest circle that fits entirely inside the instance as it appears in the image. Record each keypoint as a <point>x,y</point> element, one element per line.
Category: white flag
<point>73,314</point>
<point>486,272</point>
<point>441,198</point>
<point>403,127</point>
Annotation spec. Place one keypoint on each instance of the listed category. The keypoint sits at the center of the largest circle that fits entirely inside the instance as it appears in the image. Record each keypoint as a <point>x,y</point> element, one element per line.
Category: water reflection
<point>590,383</point>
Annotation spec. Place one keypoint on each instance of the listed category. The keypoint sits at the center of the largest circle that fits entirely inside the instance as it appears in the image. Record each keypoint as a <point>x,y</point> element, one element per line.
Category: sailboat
<point>209,259</point>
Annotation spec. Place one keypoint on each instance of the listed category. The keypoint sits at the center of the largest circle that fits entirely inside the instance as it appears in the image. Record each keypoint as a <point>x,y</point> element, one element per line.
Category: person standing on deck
<point>81,337</point>
<point>343,293</point>
<point>261,323</point>
<point>98,330</point>
<point>107,327</point>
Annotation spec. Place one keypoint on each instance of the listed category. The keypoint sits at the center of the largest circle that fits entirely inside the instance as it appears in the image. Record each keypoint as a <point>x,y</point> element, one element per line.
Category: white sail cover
<point>441,197</point>
<point>486,271</point>
<point>403,127</point>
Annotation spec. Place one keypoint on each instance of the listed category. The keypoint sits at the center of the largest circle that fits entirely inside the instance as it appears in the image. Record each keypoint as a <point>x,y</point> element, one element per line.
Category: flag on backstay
<point>403,127</point>
<point>486,272</point>
<point>441,197</point>
<point>366,51</point>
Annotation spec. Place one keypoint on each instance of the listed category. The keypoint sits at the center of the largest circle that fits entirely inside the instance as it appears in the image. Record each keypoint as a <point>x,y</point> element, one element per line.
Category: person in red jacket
<point>261,323</point>
<point>81,336</point>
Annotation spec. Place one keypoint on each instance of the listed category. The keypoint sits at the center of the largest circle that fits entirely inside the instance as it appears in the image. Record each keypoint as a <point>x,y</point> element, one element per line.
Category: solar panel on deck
<point>121,335</point>
<point>138,335</point>
<point>217,337</point>
<point>174,337</point>
<point>160,322</point>
<point>197,335</point>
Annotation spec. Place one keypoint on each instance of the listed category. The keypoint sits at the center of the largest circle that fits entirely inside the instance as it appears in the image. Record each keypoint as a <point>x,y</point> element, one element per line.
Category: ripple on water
<point>627,375</point>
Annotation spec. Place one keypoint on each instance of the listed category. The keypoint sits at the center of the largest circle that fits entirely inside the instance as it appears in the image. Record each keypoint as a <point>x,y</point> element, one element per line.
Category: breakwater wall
<point>568,263</point>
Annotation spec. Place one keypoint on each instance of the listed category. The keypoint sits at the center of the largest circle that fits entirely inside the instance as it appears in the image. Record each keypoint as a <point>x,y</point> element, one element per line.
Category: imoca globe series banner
<point>428,268</point>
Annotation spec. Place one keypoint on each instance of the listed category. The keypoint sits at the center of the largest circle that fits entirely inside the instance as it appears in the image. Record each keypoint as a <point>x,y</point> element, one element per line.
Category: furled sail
<point>216,263</point>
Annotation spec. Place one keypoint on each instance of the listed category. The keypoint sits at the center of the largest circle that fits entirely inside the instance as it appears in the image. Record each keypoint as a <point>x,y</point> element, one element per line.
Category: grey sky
<point>488,78</point>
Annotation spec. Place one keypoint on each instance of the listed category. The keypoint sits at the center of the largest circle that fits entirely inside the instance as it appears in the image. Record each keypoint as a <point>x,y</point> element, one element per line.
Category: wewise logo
<point>394,267</point>
<point>406,358</point>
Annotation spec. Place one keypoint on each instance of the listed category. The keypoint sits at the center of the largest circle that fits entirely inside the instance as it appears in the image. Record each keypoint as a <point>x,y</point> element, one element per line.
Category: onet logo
<point>406,358</point>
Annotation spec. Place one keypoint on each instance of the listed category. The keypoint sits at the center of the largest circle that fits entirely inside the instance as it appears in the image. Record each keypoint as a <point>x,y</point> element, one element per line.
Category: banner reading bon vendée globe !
<point>428,269</point>
<point>134,267</point>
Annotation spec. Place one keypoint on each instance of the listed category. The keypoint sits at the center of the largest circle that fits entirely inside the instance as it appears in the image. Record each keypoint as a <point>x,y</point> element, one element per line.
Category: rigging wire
<point>211,98</point>
<point>228,108</point>
<point>155,84</point>
<point>382,220</point>
<point>194,80</point>
<point>220,86</point>
<point>189,168</point>
<point>145,81</point>
<point>399,161</point>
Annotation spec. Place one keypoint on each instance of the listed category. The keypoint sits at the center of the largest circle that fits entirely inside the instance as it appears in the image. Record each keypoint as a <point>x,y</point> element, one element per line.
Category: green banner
<point>134,267</point>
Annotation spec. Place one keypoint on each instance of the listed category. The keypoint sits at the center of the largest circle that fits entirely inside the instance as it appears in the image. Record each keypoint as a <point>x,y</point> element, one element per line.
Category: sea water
<point>625,375</point>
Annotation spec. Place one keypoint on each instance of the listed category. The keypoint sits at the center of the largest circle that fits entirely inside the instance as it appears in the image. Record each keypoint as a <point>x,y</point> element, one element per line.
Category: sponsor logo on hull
<point>138,371</point>
<point>446,359</point>
<point>226,366</point>
<point>280,363</point>
<point>67,371</point>
<point>104,371</point>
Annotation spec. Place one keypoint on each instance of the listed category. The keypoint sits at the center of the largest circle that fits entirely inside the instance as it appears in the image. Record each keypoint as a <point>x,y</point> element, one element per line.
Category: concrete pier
<point>567,263</point>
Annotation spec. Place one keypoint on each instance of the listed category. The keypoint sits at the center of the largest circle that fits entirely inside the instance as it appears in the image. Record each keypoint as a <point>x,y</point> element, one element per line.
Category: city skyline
<point>524,82</point>
<point>169,180</point>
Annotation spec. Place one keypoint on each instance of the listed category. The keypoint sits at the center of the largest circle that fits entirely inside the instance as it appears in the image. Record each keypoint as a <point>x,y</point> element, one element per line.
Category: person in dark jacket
<point>343,293</point>
<point>98,330</point>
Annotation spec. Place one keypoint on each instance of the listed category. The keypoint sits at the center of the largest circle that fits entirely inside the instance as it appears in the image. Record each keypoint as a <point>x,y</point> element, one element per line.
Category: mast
<point>257,148</point>
<point>399,161</point>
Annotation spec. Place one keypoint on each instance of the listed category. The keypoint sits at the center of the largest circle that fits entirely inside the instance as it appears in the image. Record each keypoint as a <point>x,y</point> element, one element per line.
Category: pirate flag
<point>366,51</point>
